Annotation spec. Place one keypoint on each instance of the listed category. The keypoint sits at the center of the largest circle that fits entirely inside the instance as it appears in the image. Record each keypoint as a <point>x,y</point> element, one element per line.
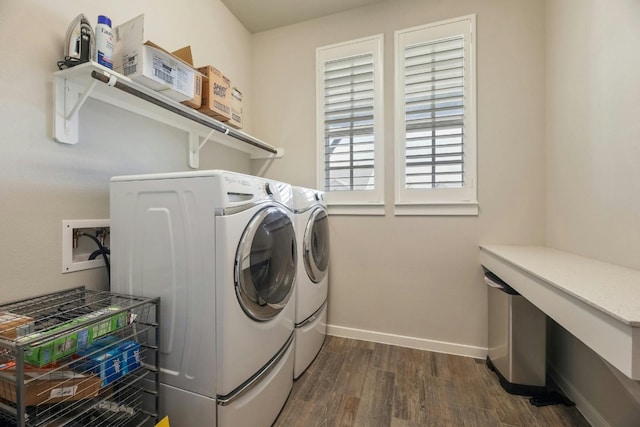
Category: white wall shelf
<point>74,85</point>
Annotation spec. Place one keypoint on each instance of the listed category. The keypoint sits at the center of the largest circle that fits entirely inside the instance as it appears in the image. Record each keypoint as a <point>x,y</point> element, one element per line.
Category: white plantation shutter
<point>434,114</point>
<point>348,124</point>
<point>435,110</point>
<point>350,121</point>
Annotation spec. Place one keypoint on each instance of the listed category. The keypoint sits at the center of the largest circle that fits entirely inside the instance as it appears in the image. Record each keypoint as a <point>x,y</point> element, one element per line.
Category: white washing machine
<point>312,282</point>
<point>219,248</point>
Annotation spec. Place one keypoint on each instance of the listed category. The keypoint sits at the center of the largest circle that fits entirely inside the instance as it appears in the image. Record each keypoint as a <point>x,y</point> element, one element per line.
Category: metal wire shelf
<point>79,357</point>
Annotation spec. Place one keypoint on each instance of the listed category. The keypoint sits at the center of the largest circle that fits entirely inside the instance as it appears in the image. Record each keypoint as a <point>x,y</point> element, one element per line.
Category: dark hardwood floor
<point>359,383</point>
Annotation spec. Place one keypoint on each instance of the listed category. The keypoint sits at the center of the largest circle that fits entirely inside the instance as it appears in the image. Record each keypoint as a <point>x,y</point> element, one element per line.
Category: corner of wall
<point>603,398</point>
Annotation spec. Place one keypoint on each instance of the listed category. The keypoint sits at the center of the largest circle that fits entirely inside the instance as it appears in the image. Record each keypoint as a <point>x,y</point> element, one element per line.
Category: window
<point>436,119</point>
<point>349,125</point>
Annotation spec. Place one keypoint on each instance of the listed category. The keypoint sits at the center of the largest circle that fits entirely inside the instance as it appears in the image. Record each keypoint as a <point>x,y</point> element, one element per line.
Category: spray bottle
<point>104,42</point>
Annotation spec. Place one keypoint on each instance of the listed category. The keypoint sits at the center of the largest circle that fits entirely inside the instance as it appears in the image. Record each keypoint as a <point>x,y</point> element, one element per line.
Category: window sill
<point>436,209</point>
<point>356,209</point>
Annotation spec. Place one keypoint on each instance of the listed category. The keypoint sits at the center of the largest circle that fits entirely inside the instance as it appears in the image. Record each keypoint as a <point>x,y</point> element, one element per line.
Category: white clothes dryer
<point>312,231</point>
<point>219,248</point>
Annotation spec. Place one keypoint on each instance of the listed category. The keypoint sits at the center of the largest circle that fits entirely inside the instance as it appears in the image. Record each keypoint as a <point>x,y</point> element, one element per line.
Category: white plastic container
<point>104,42</point>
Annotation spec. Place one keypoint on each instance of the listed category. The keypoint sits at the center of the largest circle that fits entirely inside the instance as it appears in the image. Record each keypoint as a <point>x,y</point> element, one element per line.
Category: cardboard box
<point>106,326</point>
<point>108,360</point>
<point>129,349</point>
<point>53,387</point>
<point>75,340</point>
<point>186,56</point>
<point>236,109</point>
<point>216,94</point>
<point>15,325</point>
<point>54,349</point>
<point>150,65</point>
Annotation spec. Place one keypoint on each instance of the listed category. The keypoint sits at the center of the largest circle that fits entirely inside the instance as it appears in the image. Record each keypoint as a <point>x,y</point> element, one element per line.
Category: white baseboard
<point>588,411</point>
<point>410,342</point>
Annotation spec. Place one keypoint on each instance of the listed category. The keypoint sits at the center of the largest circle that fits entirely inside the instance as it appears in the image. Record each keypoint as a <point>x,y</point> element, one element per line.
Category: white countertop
<point>613,289</point>
<point>597,302</point>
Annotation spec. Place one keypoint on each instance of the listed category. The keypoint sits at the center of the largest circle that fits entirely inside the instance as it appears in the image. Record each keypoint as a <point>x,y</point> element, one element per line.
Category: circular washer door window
<point>266,264</point>
<point>316,245</point>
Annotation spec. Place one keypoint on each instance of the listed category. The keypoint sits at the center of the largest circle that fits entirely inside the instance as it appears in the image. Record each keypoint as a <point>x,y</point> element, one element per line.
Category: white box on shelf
<point>148,64</point>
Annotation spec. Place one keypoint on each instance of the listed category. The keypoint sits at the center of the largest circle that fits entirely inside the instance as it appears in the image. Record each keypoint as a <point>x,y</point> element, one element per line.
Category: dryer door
<point>266,264</point>
<point>316,245</point>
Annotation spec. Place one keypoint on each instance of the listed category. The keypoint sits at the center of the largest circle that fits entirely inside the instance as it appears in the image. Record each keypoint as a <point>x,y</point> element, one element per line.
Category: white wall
<point>593,131</point>
<point>43,182</point>
<point>417,277</point>
<point>593,179</point>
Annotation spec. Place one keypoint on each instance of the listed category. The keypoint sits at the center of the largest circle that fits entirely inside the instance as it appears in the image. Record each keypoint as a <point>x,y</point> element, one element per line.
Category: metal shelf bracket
<point>68,101</point>
<point>195,146</point>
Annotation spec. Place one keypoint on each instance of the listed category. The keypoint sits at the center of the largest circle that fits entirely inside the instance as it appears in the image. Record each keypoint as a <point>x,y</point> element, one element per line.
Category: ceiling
<point>262,15</point>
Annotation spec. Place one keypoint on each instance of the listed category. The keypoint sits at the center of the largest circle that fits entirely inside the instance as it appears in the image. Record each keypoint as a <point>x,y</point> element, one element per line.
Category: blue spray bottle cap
<point>104,20</point>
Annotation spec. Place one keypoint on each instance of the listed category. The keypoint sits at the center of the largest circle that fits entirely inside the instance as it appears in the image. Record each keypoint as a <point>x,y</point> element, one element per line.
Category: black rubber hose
<point>95,254</point>
<point>103,251</point>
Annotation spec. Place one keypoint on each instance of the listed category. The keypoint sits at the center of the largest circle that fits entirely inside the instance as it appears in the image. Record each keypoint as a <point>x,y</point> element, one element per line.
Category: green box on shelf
<point>76,340</point>
<point>40,355</point>
<point>106,326</point>
<point>56,348</point>
<point>65,345</point>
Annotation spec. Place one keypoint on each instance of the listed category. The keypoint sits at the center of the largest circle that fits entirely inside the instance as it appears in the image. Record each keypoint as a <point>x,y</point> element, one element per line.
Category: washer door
<point>316,245</point>
<point>266,264</point>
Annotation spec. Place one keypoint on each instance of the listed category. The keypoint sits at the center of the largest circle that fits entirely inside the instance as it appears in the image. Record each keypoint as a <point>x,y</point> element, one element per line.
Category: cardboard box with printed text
<point>150,65</point>
<point>216,94</point>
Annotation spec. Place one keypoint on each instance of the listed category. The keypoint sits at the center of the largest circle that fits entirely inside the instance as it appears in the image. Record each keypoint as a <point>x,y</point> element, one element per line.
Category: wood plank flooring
<point>365,384</point>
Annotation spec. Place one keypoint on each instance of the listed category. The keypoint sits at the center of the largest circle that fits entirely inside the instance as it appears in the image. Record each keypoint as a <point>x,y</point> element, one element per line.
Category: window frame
<point>444,201</point>
<point>353,202</point>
